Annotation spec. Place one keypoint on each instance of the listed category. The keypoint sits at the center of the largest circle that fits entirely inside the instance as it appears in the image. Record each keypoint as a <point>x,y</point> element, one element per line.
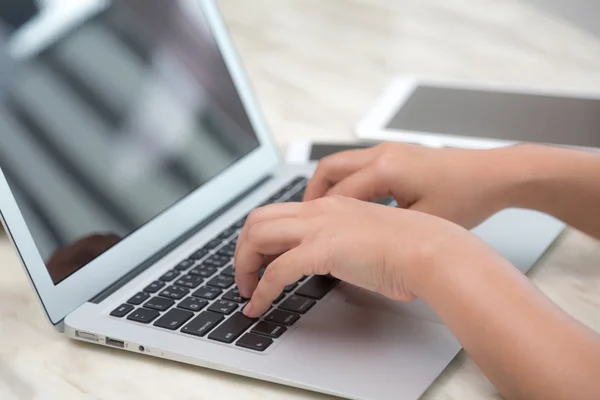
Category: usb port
<point>115,343</point>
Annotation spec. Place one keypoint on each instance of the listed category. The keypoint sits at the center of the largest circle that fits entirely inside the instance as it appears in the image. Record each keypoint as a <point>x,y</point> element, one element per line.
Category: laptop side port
<point>115,343</point>
<point>86,336</point>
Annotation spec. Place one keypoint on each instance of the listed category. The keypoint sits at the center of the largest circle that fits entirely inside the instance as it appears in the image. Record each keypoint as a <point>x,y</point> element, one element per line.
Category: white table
<point>317,66</point>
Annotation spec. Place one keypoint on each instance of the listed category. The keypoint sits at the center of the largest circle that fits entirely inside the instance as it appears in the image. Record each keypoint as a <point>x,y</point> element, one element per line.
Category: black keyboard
<point>198,297</point>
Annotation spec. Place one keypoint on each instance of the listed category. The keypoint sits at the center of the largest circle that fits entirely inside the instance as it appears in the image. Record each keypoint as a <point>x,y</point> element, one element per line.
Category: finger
<point>279,210</point>
<point>272,237</point>
<point>285,270</point>
<point>334,168</point>
<point>367,184</point>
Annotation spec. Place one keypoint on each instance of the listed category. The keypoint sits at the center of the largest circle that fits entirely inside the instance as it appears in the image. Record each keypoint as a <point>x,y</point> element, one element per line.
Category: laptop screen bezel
<point>59,300</point>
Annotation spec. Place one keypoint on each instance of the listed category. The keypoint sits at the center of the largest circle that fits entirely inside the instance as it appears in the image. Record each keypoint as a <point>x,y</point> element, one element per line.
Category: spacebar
<point>232,328</point>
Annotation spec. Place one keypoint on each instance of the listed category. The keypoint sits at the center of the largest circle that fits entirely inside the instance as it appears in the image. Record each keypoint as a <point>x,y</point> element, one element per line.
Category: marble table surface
<point>317,66</point>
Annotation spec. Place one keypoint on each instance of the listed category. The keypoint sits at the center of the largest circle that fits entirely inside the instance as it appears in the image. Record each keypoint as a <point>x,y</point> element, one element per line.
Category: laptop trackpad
<point>366,299</point>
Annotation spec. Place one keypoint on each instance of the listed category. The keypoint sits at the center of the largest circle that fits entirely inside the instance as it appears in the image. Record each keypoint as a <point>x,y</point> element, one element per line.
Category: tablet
<point>304,151</point>
<point>462,114</point>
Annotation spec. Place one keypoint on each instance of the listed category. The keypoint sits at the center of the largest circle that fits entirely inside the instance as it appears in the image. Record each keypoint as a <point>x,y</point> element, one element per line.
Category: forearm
<point>524,344</point>
<point>561,182</point>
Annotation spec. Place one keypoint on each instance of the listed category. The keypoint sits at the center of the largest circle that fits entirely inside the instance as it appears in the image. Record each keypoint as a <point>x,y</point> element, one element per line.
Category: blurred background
<point>318,65</point>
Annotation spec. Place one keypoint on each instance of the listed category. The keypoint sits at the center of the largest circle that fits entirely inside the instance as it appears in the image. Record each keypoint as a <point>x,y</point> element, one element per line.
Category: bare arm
<point>561,182</point>
<point>525,345</point>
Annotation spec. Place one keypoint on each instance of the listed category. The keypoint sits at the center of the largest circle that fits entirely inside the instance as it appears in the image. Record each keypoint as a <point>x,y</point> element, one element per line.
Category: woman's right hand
<point>463,186</point>
<point>383,249</point>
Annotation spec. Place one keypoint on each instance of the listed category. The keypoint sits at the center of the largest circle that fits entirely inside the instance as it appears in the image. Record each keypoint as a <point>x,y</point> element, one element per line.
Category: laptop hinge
<point>177,242</point>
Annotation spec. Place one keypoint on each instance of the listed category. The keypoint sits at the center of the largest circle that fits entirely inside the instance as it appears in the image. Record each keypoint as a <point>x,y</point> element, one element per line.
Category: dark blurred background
<point>14,13</point>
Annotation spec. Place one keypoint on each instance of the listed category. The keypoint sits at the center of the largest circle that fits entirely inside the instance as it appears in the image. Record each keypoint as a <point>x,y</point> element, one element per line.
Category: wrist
<point>538,176</point>
<point>441,263</point>
<point>522,175</point>
<point>450,249</point>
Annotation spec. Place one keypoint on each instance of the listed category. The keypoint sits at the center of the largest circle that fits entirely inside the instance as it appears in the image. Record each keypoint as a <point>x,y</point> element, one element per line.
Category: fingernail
<point>248,310</point>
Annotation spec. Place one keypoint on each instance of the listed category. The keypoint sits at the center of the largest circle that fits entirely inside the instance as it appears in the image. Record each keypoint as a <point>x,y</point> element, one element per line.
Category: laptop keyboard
<point>198,297</point>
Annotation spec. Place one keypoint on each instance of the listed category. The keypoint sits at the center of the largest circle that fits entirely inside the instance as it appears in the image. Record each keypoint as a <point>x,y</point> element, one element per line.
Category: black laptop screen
<point>115,122</point>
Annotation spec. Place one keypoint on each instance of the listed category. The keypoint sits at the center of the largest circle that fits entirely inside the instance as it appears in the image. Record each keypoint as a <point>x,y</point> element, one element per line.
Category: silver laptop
<point>132,151</point>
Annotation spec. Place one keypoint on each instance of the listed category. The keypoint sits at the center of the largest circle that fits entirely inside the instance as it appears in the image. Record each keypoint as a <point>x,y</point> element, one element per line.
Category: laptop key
<point>203,271</point>
<point>184,265</point>
<point>208,293</point>
<point>254,342</point>
<point>296,198</point>
<point>297,304</point>
<point>282,318</point>
<point>221,281</point>
<point>154,287</point>
<point>159,303</point>
<point>228,250</point>
<point>169,276</point>
<point>239,224</point>
<point>229,271</point>
<point>268,329</point>
<point>203,324</point>
<point>212,244</point>
<point>193,304</point>
<point>317,287</point>
<point>226,233</point>
<point>301,180</point>
<point>143,315</point>
<point>231,329</point>
<point>296,182</point>
<point>223,307</point>
<point>189,281</point>
<point>138,298</point>
<point>122,310</point>
<point>289,288</point>
<point>217,260</point>
<point>173,319</point>
<point>234,295</point>
<point>174,292</point>
<point>281,297</point>
<point>199,254</point>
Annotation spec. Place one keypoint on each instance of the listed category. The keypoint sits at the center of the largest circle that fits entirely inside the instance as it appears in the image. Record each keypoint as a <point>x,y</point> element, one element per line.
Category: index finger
<point>268,238</point>
<point>334,168</point>
<point>285,270</point>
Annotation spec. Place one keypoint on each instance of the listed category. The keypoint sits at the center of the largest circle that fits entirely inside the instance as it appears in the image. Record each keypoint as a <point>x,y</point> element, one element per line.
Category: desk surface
<point>317,66</point>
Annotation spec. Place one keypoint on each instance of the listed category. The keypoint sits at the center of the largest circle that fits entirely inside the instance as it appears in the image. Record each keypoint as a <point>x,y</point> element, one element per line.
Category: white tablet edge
<point>373,125</point>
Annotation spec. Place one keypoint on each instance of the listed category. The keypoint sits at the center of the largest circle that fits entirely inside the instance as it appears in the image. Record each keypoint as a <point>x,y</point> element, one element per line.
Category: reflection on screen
<point>115,122</point>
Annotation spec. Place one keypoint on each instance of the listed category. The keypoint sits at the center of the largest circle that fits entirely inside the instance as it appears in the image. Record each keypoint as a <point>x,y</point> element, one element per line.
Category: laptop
<point>132,152</point>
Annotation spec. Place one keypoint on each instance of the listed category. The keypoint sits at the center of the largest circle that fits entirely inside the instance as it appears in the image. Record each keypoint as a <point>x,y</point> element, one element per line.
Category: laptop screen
<point>114,122</point>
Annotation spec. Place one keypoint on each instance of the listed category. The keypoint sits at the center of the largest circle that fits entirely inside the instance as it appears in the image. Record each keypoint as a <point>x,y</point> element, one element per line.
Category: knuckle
<point>255,216</point>
<point>384,164</point>
<point>329,202</point>
<point>256,232</point>
<point>326,164</point>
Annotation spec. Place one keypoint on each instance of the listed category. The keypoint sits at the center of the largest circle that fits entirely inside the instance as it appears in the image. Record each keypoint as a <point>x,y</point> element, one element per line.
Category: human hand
<point>463,186</point>
<point>379,248</point>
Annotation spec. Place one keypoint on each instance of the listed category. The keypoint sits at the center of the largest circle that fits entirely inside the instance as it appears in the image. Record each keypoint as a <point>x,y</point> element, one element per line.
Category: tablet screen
<point>558,120</point>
